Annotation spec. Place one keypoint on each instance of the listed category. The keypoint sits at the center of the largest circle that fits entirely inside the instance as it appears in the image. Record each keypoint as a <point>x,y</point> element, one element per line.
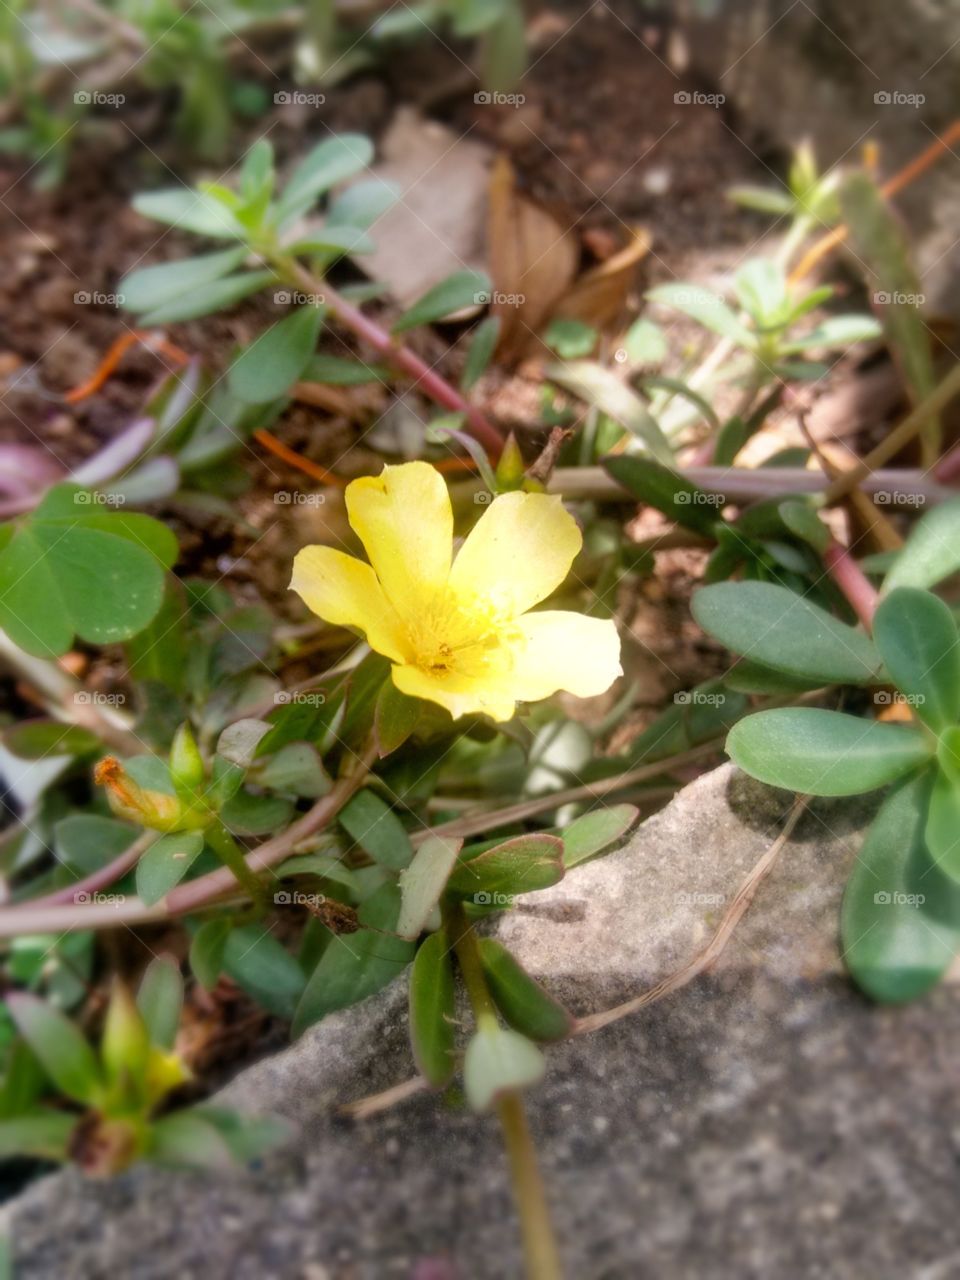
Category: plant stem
<point>231,855</point>
<point>428,380</point>
<point>539,1244</point>
<point>860,592</point>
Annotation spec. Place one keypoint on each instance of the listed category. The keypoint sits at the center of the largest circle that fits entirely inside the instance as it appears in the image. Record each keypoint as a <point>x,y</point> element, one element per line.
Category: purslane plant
<point>900,922</point>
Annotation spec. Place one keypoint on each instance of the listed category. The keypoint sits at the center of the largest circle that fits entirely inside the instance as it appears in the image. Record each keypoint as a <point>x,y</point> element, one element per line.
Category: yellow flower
<point>458,630</point>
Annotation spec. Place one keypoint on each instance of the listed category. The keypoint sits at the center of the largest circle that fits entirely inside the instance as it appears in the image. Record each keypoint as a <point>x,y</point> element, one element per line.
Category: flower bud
<point>510,467</point>
<point>127,799</point>
<point>186,763</point>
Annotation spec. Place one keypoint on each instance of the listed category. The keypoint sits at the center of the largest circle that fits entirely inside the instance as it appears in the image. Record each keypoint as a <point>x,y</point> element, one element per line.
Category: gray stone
<point>838,72</point>
<point>763,1122</point>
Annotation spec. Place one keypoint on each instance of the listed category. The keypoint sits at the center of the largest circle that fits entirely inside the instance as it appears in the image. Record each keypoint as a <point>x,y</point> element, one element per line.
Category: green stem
<point>539,1243</point>
<point>231,855</point>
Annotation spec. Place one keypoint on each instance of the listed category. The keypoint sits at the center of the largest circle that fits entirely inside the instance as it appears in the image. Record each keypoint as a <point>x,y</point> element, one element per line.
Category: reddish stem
<point>852,581</point>
<point>428,380</point>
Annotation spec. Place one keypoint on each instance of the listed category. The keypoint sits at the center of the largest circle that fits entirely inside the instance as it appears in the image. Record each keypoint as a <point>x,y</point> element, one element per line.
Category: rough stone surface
<point>763,1122</point>
<point>838,72</point>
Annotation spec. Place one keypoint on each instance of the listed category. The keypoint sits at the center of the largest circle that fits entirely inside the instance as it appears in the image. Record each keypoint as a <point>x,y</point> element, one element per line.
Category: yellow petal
<point>518,553</point>
<point>404,520</point>
<point>343,590</point>
<point>557,650</point>
<point>462,695</point>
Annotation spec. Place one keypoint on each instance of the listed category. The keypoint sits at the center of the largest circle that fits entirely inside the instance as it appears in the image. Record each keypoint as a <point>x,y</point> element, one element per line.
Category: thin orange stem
<point>115,353</point>
<point>312,469</point>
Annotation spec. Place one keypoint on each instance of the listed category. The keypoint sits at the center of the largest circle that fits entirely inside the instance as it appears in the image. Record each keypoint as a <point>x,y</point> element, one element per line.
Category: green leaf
<point>432,1010</point>
<point>483,343</point>
<point>394,719</point>
<point>206,951</point>
<point>190,211</point>
<point>825,753</point>
<point>331,240</point>
<point>362,203</point>
<point>246,814</point>
<point>707,308</point>
<point>761,287</point>
<point>338,371</point>
<point>42,739</point>
<point>70,569</point>
<point>520,865</point>
<point>330,162</point>
<point>521,999</point>
<point>63,1051</point>
<point>372,825</point>
<point>943,825</point>
<point>804,523</point>
<point>881,246</point>
<point>645,343</point>
<point>571,339</point>
<point>239,741</point>
<point>896,941</point>
<point>664,489</point>
<point>932,551</point>
<point>165,864</point>
<point>268,368</point>
<point>353,967</point>
<point>187,1139</point>
<point>457,292</point>
<point>422,883</point>
<point>599,387</point>
<point>218,296</point>
<point>498,1061</point>
<point>86,842</point>
<point>296,769</point>
<point>160,1000</point>
<point>43,1134</point>
<point>775,627</point>
<point>917,638</point>
<point>152,287</point>
<point>836,331</point>
<point>266,970</point>
<point>587,836</point>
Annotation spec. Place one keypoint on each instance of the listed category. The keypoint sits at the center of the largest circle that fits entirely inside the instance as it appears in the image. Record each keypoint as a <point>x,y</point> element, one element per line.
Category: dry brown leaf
<point>599,297</point>
<point>533,261</point>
